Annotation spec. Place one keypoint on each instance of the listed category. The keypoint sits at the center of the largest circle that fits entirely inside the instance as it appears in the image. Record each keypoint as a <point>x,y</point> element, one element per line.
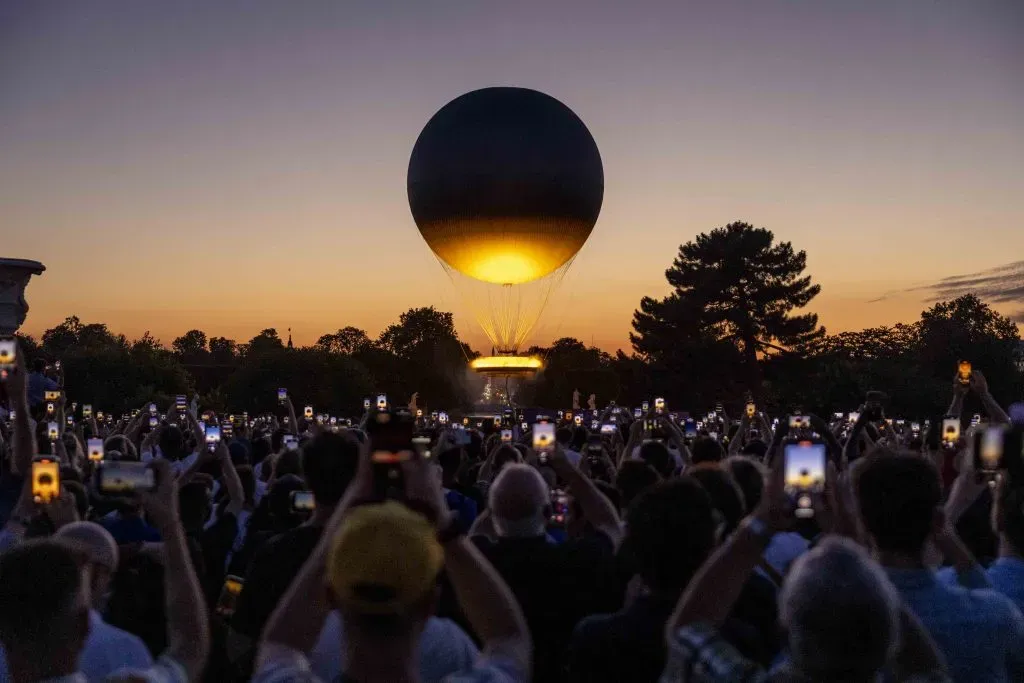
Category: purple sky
<point>238,165</point>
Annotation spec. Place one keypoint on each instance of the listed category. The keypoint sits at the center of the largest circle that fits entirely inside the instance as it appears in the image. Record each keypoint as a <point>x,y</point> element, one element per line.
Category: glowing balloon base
<point>506,366</point>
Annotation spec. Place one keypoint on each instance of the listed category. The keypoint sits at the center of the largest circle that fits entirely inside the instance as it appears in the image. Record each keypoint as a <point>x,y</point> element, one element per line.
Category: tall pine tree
<point>733,287</point>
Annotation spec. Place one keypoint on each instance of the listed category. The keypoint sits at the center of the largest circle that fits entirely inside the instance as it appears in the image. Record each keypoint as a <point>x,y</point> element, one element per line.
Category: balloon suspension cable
<point>507,313</point>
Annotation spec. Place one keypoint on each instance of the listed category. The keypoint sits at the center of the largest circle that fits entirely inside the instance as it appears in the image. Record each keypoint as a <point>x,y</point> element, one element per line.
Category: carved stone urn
<point>14,276</point>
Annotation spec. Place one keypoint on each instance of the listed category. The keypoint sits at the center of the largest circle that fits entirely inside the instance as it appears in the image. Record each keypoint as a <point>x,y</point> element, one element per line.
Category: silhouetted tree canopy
<point>732,324</point>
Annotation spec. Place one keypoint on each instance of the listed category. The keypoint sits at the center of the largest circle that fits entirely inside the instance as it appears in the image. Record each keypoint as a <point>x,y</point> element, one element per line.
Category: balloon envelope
<point>505,184</point>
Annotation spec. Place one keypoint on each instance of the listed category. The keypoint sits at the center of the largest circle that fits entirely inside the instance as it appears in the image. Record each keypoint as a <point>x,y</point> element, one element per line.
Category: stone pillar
<point>14,276</point>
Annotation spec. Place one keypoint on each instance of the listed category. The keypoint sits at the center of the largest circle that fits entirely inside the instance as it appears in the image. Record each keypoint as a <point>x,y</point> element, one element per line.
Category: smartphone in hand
<point>804,474</point>
<point>544,439</point>
<point>964,372</point>
<point>95,449</point>
<point>45,479</point>
<point>8,356</point>
<point>124,478</point>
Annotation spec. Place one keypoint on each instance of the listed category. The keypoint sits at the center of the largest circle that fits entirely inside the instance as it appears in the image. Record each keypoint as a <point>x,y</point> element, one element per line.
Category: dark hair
<point>706,449</point>
<point>260,449</point>
<point>504,455</point>
<point>239,453</point>
<point>38,364</point>
<point>194,506</point>
<point>279,499</point>
<point>450,460</point>
<point>655,454</point>
<point>329,463</point>
<point>671,531</point>
<point>288,462</point>
<point>172,442</point>
<point>122,444</point>
<point>748,477</point>
<point>725,493</point>
<point>755,448</point>
<point>633,478</point>
<point>898,494</point>
<point>34,614</point>
<point>563,436</point>
<point>70,474</point>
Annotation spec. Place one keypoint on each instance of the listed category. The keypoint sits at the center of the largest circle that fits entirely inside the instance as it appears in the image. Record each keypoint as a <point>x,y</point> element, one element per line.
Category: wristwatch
<point>759,528</point>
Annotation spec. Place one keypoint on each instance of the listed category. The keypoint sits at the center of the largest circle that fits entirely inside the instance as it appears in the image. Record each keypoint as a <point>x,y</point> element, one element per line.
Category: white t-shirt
<point>445,649</point>
<point>282,664</point>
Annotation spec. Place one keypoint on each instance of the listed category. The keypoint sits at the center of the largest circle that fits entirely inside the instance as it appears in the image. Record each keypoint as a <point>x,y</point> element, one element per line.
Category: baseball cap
<point>384,559</point>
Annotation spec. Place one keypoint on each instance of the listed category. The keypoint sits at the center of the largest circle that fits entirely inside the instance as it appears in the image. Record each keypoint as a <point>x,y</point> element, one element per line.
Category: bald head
<point>93,540</point>
<point>841,613</point>
<point>519,499</point>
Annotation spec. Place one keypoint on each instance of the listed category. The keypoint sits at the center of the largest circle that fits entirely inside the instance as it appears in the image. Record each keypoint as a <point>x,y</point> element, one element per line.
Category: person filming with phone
<point>45,624</point>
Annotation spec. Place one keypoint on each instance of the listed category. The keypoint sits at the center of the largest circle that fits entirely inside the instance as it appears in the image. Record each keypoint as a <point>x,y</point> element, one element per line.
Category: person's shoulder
<point>447,639</point>
<point>110,634</point>
<point>996,604</point>
<point>503,663</point>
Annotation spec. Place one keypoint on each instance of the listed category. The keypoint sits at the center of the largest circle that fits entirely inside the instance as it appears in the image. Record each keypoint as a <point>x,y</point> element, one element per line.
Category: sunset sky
<point>235,165</point>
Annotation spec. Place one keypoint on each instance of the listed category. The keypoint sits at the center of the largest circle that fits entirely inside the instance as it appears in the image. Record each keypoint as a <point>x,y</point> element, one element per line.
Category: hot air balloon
<point>505,185</point>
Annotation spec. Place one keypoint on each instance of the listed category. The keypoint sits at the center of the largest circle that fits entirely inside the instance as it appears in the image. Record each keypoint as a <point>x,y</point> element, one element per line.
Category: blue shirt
<point>38,385</point>
<point>127,530</point>
<point>979,632</point>
<point>1007,577</point>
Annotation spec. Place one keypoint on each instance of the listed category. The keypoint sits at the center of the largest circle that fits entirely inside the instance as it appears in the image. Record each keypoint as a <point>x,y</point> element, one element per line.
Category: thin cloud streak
<point>1000,285</point>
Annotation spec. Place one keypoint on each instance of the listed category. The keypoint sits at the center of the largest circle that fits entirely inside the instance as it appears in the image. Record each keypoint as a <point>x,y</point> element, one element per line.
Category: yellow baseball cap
<point>384,558</point>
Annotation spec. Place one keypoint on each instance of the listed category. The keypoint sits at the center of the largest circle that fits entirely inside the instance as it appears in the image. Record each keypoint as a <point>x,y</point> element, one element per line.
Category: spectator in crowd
<point>556,584</point>
<point>381,563</point>
<point>979,632</point>
<point>39,383</point>
<point>671,530</point>
<point>328,463</point>
<point>841,614</point>
<point>1006,574</point>
<point>44,628</point>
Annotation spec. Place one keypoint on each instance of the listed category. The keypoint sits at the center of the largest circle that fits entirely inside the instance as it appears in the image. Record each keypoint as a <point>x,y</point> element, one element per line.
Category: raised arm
<point>236,494</point>
<point>956,408</point>
<point>711,594</point>
<point>597,509</point>
<point>979,385</point>
<point>636,435</point>
<point>852,448</point>
<point>292,422</point>
<point>736,445</point>
<point>197,430</point>
<point>486,600</point>
<point>23,439</point>
<point>188,632</point>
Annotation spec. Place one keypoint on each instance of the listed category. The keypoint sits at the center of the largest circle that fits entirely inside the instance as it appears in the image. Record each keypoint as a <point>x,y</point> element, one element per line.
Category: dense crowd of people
<point>588,544</point>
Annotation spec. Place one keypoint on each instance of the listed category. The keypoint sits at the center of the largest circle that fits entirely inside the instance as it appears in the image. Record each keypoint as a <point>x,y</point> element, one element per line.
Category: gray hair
<point>841,612</point>
<point>519,499</point>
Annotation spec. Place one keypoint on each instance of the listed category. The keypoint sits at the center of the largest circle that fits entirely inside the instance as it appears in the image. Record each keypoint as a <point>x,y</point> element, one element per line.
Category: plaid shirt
<point>698,654</point>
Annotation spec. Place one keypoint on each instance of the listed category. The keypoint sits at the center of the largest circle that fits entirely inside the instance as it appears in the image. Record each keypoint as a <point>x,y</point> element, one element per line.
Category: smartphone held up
<point>8,357</point>
<point>804,475</point>
<point>117,479</point>
<point>45,479</point>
